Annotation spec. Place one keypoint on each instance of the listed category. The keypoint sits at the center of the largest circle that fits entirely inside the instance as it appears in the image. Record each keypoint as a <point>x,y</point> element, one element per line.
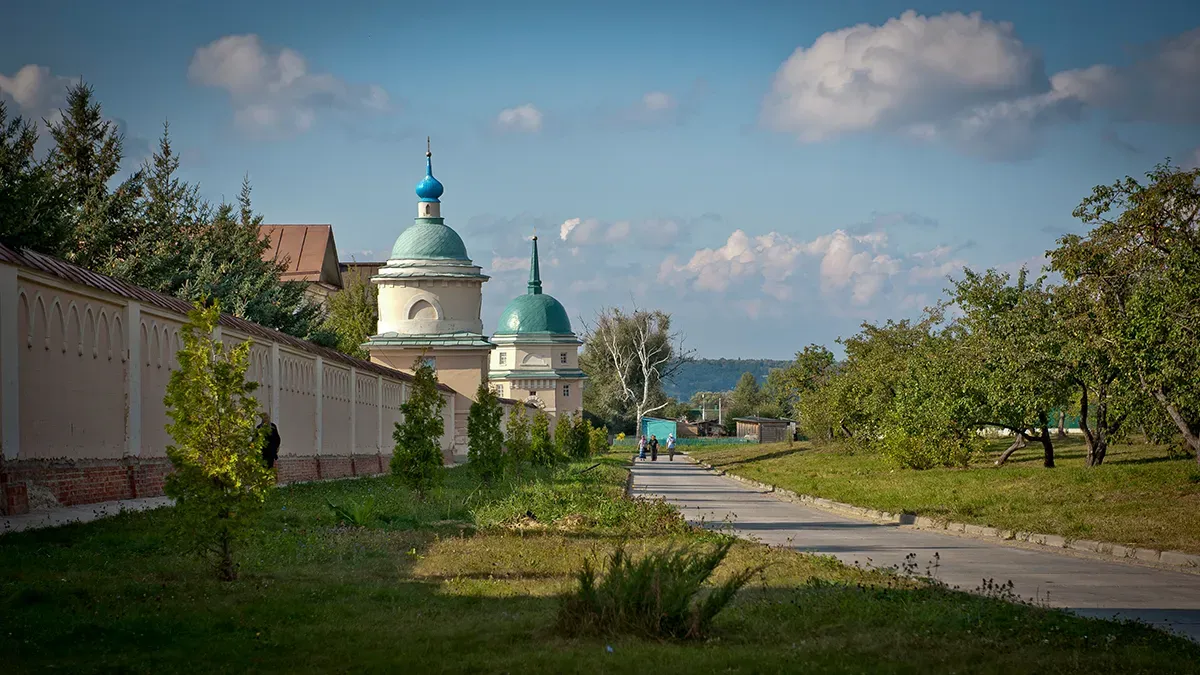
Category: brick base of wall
<point>86,482</point>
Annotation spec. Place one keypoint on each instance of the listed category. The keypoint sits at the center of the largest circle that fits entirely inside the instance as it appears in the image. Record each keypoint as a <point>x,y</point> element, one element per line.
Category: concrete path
<point>1087,586</point>
<point>78,514</point>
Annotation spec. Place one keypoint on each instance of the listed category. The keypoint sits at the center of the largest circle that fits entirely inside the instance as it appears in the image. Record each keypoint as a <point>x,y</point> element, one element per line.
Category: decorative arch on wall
<point>23,313</point>
<point>89,328</point>
<point>38,318</point>
<point>535,360</point>
<point>421,305</point>
<point>56,330</point>
<point>104,335</point>
<point>118,337</point>
<point>74,329</point>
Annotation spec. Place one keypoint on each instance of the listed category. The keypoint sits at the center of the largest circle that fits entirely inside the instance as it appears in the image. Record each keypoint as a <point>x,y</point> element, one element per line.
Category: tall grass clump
<point>661,595</point>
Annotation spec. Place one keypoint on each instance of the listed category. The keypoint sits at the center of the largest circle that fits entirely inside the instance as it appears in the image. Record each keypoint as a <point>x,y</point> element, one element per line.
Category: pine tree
<point>227,263</point>
<point>562,436</point>
<point>32,206</point>
<point>417,459</point>
<point>579,445</point>
<point>516,440</point>
<point>87,154</point>
<point>485,440</point>
<point>541,447</point>
<point>219,478</point>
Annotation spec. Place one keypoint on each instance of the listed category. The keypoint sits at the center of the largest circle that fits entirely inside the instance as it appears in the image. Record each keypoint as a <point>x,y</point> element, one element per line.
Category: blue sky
<point>772,175</point>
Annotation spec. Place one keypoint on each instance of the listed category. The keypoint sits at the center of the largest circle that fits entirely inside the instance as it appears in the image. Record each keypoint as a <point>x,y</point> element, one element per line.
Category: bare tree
<point>640,351</point>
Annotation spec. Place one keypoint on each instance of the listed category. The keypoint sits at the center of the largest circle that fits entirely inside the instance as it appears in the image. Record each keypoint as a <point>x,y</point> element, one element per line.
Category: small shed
<point>653,426</point>
<point>765,429</point>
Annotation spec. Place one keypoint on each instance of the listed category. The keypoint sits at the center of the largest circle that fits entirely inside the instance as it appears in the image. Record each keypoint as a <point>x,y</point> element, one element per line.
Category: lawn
<point>468,582</point>
<point>1140,496</point>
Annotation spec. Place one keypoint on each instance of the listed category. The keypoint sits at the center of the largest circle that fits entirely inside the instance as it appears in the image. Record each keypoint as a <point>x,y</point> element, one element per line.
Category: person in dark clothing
<point>270,449</point>
<point>653,449</point>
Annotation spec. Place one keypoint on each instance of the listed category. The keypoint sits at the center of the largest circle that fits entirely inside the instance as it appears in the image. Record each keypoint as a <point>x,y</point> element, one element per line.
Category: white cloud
<point>523,118</point>
<point>36,91</point>
<point>861,266</point>
<point>658,100</point>
<point>501,264</point>
<point>651,233</point>
<point>273,90</point>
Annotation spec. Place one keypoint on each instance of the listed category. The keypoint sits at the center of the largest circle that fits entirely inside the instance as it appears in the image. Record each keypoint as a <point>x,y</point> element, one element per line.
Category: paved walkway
<point>78,514</point>
<point>1087,586</point>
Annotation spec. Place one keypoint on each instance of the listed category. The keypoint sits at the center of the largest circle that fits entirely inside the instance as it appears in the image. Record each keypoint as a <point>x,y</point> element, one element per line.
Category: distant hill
<point>716,375</point>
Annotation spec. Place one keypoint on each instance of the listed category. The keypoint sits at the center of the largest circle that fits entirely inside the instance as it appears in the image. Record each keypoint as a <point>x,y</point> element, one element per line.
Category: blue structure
<point>653,426</point>
<point>430,188</point>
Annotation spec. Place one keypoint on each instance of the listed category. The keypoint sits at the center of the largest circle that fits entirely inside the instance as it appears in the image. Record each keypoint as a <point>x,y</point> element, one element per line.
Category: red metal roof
<point>85,277</point>
<point>301,247</point>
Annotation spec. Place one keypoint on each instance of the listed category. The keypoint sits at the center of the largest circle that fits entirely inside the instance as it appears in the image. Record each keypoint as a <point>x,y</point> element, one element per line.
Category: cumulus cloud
<point>273,90</point>
<point>968,82</point>
<point>861,266</point>
<point>650,233</point>
<point>524,118</point>
<point>35,90</point>
<point>502,264</point>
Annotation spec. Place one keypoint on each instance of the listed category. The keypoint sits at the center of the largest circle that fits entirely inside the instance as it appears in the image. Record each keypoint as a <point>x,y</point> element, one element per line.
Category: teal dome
<point>532,313</point>
<point>429,239</point>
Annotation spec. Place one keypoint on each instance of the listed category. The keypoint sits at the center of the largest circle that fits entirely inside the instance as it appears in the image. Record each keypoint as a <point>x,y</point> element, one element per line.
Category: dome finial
<point>429,189</point>
<point>535,275</point>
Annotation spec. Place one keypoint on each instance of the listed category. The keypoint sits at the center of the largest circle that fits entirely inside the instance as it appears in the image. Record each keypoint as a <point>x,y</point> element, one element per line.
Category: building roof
<point>762,420</point>
<point>66,271</point>
<point>535,312</point>
<point>429,239</point>
<point>308,251</point>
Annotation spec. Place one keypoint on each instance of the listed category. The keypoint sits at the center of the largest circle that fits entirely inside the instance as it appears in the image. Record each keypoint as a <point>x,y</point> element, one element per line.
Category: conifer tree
<point>32,209</point>
<point>219,478</point>
<point>516,440</point>
<point>417,459</point>
<point>87,154</point>
<point>485,440</point>
<point>562,435</point>
<point>580,438</point>
<point>541,447</point>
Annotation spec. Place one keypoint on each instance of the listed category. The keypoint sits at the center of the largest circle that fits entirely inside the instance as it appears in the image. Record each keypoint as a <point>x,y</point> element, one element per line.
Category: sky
<point>772,174</point>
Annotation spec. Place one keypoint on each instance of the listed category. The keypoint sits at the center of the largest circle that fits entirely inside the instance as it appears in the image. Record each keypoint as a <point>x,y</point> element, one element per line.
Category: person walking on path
<point>653,448</point>
<point>270,449</point>
<point>671,447</point>
<point>642,448</point>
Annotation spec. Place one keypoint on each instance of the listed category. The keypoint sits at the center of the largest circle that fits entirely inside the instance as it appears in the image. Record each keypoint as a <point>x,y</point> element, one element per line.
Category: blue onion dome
<point>430,188</point>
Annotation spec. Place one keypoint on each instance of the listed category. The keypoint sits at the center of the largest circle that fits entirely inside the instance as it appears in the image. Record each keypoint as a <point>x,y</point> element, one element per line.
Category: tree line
<point>150,228</point>
<point>1116,339</point>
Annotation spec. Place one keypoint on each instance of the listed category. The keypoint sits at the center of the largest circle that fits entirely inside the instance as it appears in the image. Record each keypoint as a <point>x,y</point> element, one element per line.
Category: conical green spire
<point>535,275</point>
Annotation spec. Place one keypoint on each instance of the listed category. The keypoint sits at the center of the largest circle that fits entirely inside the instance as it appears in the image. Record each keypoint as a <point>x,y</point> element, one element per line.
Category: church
<point>430,302</point>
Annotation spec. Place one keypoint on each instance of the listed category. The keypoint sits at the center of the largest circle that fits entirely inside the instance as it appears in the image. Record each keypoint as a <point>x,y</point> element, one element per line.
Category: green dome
<point>429,239</point>
<point>532,313</point>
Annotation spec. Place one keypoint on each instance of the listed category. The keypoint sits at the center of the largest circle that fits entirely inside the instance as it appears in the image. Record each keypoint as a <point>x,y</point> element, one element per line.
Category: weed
<point>354,514</point>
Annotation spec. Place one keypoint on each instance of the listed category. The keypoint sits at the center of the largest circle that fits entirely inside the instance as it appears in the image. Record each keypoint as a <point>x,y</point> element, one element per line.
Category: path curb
<point>1185,562</point>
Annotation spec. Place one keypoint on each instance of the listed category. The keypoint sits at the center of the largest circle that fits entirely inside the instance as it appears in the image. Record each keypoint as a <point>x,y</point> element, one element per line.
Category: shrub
<point>485,440</point>
<point>927,450</point>
<point>541,447</point>
<point>219,478</point>
<point>354,514</point>
<point>598,440</point>
<point>562,435</point>
<point>660,596</point>
<point>417,459</point>
<point>516,439</point>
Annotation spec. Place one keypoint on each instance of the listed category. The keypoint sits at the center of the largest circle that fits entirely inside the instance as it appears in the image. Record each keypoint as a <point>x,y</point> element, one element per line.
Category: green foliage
<point>562,435</point>
<point>355,513</point>
<point>658,596</point>
<point>485,439</point>
<point>33,210</point>
<point>353,314</point>
<point>597,440</point>
<point>579,438</point>
<point>710,375</point>
<point>747,397</point>
<point>541,446</point>
<point>219,478</point>
<point>516,436</point>
<point>417,459</point>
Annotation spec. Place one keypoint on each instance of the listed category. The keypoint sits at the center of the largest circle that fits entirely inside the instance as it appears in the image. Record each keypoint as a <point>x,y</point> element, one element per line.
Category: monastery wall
<point>84,366</point>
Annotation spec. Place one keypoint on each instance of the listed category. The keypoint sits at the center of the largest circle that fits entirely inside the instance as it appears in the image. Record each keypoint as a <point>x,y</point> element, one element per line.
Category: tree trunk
<point>1189,436</point>
<point>1062,424</point>
<point>225,569</point>
<point>1096,439</point>
<point>1018,443</point>
<point>1047,445</point>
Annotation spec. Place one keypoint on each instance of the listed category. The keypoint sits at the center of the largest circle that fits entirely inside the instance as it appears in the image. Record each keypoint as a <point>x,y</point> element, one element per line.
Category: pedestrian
<point>270,449</point>
<point>671,446</point>
<point>642,448</point>
<point>653,448</point>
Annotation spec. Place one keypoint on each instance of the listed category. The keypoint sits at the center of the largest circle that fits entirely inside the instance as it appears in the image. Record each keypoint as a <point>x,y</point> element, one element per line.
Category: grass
<point>1140,496</point>
<point>472,581</point>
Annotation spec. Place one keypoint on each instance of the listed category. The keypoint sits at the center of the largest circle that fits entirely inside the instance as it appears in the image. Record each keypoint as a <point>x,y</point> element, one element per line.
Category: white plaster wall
<point>456,302</point>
